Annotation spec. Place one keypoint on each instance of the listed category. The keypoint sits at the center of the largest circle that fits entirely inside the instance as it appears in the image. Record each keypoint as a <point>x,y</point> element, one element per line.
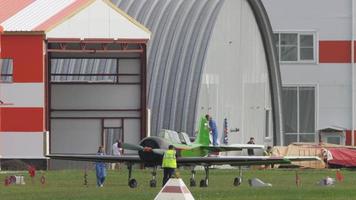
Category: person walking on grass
<point>169,164</point>
<point>100,169</point>
<point>250,152</point>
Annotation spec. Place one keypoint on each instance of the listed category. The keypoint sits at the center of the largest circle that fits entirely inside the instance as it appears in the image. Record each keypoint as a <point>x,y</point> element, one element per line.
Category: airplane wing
<point>242,160</point>
<point>96,158</point>
<point>233,147</point>
<point>191,161</point>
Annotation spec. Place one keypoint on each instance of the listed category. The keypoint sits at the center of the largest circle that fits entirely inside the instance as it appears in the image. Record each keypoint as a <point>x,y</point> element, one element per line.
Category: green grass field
<point>69,185</point>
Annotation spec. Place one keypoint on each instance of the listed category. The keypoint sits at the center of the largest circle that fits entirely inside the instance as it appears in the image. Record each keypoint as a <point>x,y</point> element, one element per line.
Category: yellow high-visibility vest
<point>169,159</point>
<point>267,153</point>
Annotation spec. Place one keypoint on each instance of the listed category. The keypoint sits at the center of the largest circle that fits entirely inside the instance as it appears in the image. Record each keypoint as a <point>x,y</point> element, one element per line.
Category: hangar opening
<point>96,94</point>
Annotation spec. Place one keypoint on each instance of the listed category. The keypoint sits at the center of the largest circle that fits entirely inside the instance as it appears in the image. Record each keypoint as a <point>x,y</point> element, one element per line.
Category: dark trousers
<point>167,174</point>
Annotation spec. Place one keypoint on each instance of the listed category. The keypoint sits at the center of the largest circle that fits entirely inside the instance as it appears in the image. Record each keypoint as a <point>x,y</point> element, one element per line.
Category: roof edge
<point>131,19</point>
<point>74,12</point>
<point>102,40</point>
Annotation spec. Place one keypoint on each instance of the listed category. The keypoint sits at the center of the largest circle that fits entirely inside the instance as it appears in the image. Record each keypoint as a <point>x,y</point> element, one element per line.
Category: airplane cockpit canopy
<point>185,137</point>
<point>175,137</point>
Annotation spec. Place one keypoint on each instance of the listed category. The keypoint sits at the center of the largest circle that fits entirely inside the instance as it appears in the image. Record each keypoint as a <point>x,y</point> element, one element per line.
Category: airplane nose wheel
<point>237,181</point>
<point>133,183</point>
<point>153,182</point>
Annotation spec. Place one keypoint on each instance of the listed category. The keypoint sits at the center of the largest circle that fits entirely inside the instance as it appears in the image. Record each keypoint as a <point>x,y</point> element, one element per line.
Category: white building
<point>316,54</point>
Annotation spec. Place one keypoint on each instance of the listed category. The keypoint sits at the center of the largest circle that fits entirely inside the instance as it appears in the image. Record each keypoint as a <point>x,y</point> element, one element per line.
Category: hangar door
<point>95,99</point>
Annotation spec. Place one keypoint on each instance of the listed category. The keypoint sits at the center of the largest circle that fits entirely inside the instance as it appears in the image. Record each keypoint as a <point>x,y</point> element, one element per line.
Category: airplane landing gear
<point>205,182</point>
<point>153,182</point>
<point>131,181</point>
<point>192,179</point>
<point>192,183</point>
<point>238,180</point>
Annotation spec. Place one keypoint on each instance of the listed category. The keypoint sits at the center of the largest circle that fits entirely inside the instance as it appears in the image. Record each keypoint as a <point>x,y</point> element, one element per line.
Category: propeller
<point>136,147</point>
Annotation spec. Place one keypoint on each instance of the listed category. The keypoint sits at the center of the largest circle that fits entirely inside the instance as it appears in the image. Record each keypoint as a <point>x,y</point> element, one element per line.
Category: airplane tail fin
<point>203,132</point>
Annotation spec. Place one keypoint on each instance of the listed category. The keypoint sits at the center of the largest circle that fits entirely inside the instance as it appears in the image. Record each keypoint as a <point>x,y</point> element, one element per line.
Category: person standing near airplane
<point>250,152</point>
<point>213,129</point>
<point>268,151</point>
<point>169,164</point>
<point>116,151</point>
<point>100,169</point>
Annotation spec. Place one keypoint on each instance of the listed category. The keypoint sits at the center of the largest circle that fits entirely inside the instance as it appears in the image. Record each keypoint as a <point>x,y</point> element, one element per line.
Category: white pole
<point>148,122</point>
<point>353,76</point>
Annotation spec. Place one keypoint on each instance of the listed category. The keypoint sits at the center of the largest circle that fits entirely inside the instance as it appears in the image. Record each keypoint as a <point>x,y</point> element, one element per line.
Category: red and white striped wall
<point>22,118</point>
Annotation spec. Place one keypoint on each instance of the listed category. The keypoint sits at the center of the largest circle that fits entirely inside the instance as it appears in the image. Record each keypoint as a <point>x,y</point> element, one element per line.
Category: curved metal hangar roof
<point>210,56</point>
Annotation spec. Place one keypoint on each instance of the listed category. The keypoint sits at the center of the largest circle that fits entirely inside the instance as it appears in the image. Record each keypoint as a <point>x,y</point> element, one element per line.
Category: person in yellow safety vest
<point>169,164</point>
<point>268,152</point>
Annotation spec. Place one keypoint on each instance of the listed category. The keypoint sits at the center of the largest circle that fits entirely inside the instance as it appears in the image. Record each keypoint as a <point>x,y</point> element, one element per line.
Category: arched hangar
<point>216,57</point>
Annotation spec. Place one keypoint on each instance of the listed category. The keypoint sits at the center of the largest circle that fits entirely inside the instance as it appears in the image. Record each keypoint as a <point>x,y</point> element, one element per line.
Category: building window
<point>6,70</point>
<point>92,70</point>
<point>299,114</point>
<point>333,140</point>
<point>295,47</point>
<point>84,70</point>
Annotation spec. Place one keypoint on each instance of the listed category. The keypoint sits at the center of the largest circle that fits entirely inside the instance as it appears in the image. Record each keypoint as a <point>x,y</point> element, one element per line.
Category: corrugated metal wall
<point>180,35</point>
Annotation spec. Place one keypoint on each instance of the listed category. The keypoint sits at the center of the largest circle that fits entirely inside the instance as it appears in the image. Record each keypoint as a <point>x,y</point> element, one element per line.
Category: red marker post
<point>32,172</point>
<point>7,181</point>
<point>339,176</point>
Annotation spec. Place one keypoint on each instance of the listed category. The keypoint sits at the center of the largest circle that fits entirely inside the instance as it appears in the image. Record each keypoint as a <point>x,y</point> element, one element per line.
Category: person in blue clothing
<point>213,129</point>
<point>100,169</point>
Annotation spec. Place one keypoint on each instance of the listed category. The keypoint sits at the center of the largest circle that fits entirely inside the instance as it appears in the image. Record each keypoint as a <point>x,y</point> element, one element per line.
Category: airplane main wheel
<point>237,181</point>
<point>204,183</point>
<point>153,183</point>
<point>133,183</point>
<point>192,182</point>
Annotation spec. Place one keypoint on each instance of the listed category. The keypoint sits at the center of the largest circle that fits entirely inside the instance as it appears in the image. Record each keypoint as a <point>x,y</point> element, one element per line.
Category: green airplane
<point>199,153</point>
<point>201,147</point>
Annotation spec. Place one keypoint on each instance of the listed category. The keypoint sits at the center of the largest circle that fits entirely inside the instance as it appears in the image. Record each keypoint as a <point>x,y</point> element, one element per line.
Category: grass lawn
<point>69,185</point>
